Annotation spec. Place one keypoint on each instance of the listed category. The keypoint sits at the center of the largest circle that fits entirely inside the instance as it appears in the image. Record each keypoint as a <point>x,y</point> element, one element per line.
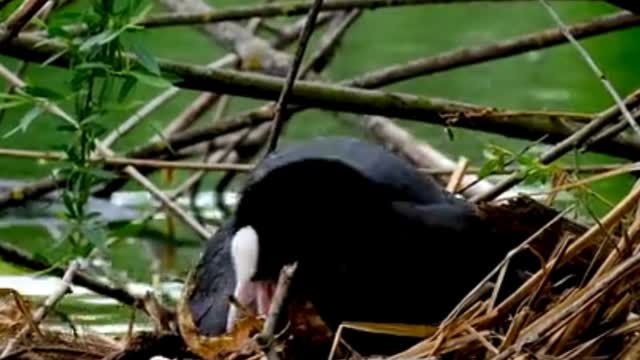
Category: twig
<point>458,174</point>
<point>189,115</point>
<point>280,9</point>
<point>181,214</point>
<point>48,304</point>
<point>293,75</point>
<point>563,147</point>
<point>589,60</point>
<point>20,258</point>
<point>330,43</point>
<point>19,19</point>
<point>610,132</point>
<point>115,160</point>
<point>279,298</point>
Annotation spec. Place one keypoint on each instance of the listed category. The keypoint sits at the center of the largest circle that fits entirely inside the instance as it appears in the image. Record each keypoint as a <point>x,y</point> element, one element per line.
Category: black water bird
<point>374,239</point>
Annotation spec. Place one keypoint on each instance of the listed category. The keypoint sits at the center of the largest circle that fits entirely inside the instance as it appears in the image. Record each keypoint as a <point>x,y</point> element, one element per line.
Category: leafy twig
<point>563,147</point>
<point>128,169</point>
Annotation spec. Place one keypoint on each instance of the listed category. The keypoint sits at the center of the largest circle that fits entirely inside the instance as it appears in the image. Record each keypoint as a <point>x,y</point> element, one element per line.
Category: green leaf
<point>42,92</point>
<point>146,59</point>
<point>151,80</point>
<point>26,121</point>
<point>11,104</point>
<point>102,174</point>
<point>129,229</point>
<point>96,236</point>
<point>101,38</point>
<point>69,204</point>
<point>92,65</point>
<point>41,257</point>
<point>489,167</point>
<point>125,89</point>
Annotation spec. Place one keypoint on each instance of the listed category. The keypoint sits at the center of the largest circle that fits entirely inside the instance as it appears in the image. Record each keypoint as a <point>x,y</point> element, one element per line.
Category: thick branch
<point>332,97</point>
<point>283,9</point>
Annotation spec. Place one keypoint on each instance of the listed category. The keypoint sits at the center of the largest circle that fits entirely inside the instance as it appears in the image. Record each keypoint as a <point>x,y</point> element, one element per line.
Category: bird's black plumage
<point>374,239</point>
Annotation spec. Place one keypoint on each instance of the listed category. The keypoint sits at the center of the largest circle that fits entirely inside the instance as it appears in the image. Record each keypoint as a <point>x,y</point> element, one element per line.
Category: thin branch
<point>611,131</point>
<point>189,115</point>
<point>149,186</point>
<point>116,160</point>
<point>293,75</point>
<point>458,174</point>
<point>283,9</point>
<point>19,19</point>
<point>502,49</point>
<point>330,43</point>
<point>279,299</point>
<point>589,60</point>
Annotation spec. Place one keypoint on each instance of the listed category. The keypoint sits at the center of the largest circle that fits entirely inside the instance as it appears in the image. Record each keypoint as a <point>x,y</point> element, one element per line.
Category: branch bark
<point>283,9</point>
<point>19,19</point>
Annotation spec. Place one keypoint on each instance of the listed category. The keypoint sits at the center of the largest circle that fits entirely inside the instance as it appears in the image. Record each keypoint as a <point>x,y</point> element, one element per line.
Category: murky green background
<point>554,79</point>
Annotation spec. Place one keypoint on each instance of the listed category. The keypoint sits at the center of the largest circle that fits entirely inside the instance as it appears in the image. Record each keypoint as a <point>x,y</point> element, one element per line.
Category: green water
<point>554,79</point>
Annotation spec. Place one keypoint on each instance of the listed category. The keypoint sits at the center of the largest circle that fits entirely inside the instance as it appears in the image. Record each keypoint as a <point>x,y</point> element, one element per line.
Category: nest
<point>579,303</point>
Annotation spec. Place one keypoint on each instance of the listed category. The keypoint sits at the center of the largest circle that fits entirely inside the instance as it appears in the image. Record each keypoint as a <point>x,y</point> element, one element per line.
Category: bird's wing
<point>392,175</point>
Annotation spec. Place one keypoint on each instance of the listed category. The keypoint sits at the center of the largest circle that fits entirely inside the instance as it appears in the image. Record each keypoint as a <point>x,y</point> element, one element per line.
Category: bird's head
<point>238,272</point>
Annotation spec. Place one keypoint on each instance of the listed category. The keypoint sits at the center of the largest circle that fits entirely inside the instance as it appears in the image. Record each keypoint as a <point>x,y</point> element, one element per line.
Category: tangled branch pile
<point>579,300</point>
